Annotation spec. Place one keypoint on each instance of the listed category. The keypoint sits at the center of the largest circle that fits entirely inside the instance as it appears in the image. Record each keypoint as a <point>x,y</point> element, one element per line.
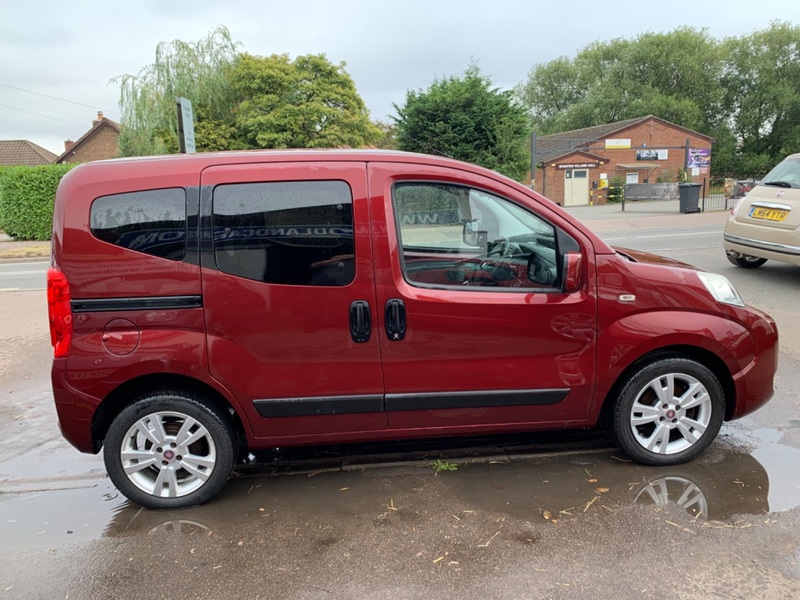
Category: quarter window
<point>454,236</point>
<point>152,222</point>
<point>293,233</point>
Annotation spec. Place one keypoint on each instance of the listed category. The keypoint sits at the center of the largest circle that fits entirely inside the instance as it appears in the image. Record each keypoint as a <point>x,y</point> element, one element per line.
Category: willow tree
<point>193,70</point>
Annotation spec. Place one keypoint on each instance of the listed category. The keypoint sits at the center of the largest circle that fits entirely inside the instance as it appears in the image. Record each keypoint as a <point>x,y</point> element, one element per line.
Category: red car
<point>206,305</point>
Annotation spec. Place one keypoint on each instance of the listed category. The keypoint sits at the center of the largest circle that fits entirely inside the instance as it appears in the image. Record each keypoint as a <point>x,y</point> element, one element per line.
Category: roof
<point>553,146</point>
<point>97,126</point>
<point>23,152</point>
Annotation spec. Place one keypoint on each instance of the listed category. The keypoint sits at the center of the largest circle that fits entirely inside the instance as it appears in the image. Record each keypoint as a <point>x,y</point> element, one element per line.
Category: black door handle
<point>360,321</point>
<point>395,319</point>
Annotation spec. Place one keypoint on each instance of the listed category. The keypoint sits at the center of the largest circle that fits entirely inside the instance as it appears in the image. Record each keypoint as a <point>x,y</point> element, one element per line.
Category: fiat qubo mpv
<point>202,306</point>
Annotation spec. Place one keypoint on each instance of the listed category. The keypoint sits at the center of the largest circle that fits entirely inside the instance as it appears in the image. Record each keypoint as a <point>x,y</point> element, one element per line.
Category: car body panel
<point>283,358</point>
<point>746,234</point>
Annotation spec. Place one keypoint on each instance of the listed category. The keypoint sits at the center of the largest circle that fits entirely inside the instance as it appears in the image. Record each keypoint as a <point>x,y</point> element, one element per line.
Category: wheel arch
<point>705,357</point>
<point>127,393</point>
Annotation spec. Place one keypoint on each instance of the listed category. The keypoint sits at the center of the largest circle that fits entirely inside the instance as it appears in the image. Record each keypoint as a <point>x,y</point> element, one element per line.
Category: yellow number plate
<point>768,214</point>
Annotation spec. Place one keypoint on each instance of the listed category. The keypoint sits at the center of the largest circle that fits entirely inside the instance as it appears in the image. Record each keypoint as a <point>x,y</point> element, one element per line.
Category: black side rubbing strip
<point>145,303</point>
<point>309,407</point>
<point>473,399</point>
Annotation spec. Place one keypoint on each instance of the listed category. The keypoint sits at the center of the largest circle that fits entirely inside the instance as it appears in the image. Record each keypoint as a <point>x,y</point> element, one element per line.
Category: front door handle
<point>395,319</point>
<point>360,321</point>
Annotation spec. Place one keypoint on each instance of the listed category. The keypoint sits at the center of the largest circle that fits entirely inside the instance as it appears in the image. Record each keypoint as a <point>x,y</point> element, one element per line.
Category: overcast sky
<point>71,50</point>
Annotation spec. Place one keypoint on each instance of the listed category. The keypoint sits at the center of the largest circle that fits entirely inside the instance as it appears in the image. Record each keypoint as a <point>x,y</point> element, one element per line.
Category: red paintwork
<point>251,340</point>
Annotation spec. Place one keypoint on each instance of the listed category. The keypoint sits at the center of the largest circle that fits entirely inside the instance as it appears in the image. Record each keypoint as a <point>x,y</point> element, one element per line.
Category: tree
<point>672,75</point>
<point>197,71</point>
<point>762,96</point>
<point>241,101</point>
<point>305,103</point>
<point>466,118</point>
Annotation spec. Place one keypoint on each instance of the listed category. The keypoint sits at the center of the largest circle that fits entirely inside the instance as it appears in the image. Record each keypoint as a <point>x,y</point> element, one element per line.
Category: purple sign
<point>699,157</point>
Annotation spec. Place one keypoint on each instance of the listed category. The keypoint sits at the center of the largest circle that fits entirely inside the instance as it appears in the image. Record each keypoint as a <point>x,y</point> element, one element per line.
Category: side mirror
<point>573,269</point>
<point>472,236</point>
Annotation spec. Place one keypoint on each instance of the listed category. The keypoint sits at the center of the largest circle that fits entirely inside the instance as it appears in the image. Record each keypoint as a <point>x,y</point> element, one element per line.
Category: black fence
<point>712,195</point>
<point>722,194</point>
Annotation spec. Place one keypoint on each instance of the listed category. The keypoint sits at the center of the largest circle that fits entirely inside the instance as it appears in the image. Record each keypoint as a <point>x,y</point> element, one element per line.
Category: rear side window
<point>151,222</point>
<point>294,233</point>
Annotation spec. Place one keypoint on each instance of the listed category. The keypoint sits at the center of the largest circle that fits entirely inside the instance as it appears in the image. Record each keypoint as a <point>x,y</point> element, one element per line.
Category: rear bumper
<point>75,410</point>
<point>742,243</point>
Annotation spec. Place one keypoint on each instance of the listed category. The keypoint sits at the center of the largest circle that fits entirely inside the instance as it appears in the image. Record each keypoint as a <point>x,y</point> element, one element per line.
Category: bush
<point>26,200</point>
<point>616,187</point>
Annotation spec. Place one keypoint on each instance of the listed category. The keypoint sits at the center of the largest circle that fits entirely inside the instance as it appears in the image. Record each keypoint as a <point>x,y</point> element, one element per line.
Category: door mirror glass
<point>472,236</point>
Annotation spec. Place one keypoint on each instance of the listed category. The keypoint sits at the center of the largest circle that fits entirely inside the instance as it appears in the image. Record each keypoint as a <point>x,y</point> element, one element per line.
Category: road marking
<point>9,289</point>
<point>663,235</point>
<point>15,273</point>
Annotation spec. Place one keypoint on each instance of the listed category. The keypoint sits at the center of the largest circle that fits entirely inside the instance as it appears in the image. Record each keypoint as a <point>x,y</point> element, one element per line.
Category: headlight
<point>720,288</point>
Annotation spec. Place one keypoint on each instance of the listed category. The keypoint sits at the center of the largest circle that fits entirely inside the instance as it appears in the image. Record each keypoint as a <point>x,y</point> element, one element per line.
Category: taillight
<point>736,206</point>
<point>59,311</point>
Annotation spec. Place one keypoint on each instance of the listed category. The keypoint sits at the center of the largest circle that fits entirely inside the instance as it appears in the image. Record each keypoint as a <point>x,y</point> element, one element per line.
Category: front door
<point>576,187</point>
<point>476,330</point>
<point>289,297</point>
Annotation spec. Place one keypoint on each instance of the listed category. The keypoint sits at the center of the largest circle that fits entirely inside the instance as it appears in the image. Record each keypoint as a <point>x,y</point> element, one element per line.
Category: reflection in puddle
<point>678,490</point>
<point>784,483</point>
<point>532,490</point>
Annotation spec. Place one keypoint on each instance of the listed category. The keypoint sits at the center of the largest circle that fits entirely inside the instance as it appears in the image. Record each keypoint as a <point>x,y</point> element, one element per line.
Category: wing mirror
<point>573,269</point>
<point>472,236</point>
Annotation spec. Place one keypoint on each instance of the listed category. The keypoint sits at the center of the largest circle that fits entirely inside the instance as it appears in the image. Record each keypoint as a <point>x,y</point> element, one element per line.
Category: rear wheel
<point>668,411</point>
<point>169,450</point>
<point>745,261</point>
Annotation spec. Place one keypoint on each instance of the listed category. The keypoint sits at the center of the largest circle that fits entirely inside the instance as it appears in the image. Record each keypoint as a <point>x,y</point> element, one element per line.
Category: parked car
<point>206,306</point>
<point>764,224</point>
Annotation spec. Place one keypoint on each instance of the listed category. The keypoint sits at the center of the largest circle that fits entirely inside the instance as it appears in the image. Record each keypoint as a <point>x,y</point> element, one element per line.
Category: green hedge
<point>26,200</point>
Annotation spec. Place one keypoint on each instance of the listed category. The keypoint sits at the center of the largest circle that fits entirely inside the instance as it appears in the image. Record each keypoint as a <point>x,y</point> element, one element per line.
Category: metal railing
<point>713,196</point>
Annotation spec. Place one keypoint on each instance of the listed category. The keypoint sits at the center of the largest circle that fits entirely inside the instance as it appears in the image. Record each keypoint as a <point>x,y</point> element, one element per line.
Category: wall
<point>100,146</point>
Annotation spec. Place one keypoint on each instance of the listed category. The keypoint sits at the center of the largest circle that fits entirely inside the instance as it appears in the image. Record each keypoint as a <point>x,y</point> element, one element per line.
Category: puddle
<point>781,463</point>
<point>55,517</point>
<point>333,492</point>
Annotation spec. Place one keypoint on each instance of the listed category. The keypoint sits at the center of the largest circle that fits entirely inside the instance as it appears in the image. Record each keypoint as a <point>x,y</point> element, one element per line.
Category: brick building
<point>99,143</point>
<point>577,166</point>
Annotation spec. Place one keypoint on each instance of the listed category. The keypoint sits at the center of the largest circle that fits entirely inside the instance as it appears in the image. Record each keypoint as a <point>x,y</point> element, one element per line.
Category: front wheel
<point>169,450</point>
<point>668,411</point>
<point>745,261</point>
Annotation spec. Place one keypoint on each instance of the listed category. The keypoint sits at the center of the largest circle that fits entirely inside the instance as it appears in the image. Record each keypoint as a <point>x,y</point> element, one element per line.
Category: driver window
<point>455,236</point>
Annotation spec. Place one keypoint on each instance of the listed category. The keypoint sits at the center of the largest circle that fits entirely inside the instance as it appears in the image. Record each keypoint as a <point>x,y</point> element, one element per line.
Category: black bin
<point>689,194</point>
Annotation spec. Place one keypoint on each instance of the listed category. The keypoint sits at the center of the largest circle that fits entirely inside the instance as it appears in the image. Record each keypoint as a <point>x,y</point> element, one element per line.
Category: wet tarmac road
<point>579,523</point>
<point>564,517</point>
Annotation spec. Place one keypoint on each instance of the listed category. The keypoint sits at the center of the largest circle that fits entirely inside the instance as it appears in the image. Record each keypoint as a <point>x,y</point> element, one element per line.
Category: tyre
<point>169,450</point>
<point>668,411</point>
<point>745,261</point>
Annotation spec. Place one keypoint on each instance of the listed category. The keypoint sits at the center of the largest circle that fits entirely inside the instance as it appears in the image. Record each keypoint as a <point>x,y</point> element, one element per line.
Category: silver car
<point>764,224</point>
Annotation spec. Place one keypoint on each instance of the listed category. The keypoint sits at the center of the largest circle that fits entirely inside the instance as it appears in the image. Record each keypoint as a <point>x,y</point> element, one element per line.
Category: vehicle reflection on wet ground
<point>494,474</point>
<point>344,521</point>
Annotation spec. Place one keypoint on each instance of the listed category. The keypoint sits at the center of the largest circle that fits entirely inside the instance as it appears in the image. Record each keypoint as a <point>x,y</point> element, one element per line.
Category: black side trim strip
<point>309,407</point>
<point>146,303</point>
<point>473,399</point>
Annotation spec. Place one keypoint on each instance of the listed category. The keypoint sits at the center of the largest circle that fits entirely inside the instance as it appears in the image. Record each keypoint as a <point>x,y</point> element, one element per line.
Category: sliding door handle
<point>395,319</point>
<point>360,321</point>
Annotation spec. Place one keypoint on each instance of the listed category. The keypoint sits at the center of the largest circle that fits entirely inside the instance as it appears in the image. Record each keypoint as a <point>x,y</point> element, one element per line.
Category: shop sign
<point>618,143</point>
<point>583,165</point>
